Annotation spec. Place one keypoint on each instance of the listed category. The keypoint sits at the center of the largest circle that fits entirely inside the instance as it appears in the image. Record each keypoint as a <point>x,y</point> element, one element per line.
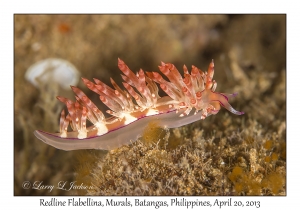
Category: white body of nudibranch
<point>189,99</point>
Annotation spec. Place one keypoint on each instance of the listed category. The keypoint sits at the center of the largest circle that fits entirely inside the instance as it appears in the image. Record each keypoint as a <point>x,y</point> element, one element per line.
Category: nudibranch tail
<point>189,98</point>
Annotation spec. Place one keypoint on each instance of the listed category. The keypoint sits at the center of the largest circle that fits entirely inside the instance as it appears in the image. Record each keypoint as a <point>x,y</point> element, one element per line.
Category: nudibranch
<point>189,98</point>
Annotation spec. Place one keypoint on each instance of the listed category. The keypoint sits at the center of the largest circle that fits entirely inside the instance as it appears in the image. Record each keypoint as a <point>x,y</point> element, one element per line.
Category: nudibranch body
<point>190,98</point>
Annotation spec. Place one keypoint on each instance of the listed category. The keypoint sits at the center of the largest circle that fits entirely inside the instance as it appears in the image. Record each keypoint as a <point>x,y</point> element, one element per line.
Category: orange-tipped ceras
<point>189,98</point>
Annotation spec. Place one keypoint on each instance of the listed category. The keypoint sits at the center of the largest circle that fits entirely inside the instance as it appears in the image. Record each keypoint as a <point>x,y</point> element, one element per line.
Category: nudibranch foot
<point>189,99</point>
